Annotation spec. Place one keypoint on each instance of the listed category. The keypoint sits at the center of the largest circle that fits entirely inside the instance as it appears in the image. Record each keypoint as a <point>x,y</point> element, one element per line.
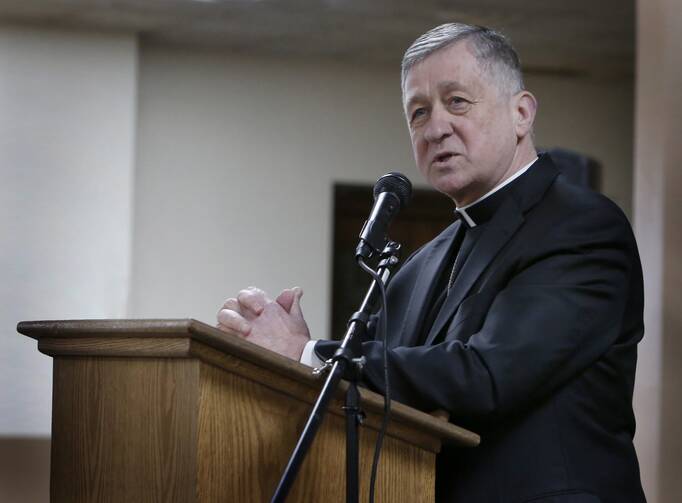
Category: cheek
<point>498,130</point>
<point>479,136</point>
<point>419,150</point>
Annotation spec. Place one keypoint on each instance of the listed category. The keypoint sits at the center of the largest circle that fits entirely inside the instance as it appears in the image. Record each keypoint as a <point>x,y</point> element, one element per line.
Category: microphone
<point>391,193</point>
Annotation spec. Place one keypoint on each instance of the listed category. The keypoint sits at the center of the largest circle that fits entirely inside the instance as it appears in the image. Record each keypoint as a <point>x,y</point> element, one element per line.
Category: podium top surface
<point>189,338</point>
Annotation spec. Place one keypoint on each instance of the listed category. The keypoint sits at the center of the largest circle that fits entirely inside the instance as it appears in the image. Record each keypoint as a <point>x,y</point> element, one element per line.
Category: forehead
<point>452,64</point>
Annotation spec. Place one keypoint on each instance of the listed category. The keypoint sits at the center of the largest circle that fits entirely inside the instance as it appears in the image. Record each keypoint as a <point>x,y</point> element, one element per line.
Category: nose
<point>438,127</point>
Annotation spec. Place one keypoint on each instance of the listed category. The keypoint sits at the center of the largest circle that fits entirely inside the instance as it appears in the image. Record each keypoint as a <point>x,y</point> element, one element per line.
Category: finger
<point>233,321</point>
<point>296,304</point>
<point>232,304</point>
<point>253,299</point>
<point>286,299</point>
<point>228,330</point>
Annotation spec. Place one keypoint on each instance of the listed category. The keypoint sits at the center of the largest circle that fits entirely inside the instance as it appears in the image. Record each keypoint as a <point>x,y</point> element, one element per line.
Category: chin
<point>451,185</point>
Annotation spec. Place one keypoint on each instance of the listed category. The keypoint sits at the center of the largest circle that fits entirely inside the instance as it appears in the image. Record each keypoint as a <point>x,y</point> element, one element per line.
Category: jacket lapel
<point>497,232</point>
<point>429,272</point>
<point>495,235</point>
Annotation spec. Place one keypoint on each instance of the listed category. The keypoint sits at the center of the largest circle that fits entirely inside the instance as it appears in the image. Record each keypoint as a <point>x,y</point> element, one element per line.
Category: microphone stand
<point>347,365</point>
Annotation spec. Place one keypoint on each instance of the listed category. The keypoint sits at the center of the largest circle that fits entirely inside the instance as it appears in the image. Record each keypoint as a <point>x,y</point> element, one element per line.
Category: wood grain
<point>110,346</point>
<point>402,426</point>
<point>175,410</point>
<point>247,432</point>
<point>124,430</point>
<point>121,337</point>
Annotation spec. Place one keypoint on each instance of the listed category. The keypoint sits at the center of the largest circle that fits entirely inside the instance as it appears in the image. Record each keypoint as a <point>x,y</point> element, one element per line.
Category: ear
<point>524,107</point>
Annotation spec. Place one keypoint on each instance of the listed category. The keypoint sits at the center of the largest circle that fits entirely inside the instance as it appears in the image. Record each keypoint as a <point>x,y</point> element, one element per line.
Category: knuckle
<point>245,296</point>
<point>258,292</point>
<point>226,316</point>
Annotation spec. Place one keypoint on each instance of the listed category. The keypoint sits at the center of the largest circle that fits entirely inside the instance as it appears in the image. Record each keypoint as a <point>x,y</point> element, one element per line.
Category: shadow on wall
<point>578,168</point>
<point>24,469</point>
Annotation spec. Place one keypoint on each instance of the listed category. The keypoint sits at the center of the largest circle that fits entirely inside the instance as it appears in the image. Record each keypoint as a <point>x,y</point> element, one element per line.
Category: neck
<point>523,155</point>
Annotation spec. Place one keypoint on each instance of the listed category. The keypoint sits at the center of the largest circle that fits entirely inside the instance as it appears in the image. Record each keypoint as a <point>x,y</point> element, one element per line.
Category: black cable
<point>381,331</point>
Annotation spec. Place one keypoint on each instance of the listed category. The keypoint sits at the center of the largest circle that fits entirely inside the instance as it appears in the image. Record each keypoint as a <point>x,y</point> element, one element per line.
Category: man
<point>522,318</point>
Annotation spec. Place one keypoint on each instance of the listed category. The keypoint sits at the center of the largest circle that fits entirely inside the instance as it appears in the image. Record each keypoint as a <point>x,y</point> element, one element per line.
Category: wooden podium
<point>177,411</point>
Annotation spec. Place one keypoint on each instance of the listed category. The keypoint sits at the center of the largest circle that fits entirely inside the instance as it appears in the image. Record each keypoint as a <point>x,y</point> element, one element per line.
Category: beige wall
<point>658,225</point>
<point>594,117</point>
<point>204,172</point>
<point>237,158</point>
<point>66,172</point>
<point>236,162</point>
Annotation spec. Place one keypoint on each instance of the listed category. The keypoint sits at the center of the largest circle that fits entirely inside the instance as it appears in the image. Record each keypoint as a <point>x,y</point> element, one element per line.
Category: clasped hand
<point>277,325</point>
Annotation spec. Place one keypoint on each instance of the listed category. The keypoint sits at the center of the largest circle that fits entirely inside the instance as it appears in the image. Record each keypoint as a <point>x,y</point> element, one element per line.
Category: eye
<point>458,104</point>
<point>417,114</point>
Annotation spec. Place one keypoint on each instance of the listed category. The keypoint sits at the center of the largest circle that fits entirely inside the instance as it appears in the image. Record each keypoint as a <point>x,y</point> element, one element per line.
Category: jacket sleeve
<point>561,310</point>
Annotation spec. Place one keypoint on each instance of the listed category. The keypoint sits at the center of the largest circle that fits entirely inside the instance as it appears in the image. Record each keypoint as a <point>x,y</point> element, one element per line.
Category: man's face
<point>461,124</point>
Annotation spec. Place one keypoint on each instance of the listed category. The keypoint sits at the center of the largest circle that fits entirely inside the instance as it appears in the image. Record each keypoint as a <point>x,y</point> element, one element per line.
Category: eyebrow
<point>414,98</point>
<point>450,85</point>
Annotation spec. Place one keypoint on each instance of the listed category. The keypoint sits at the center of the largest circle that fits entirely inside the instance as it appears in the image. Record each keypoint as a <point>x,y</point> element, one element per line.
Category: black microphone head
<point>398,184</point>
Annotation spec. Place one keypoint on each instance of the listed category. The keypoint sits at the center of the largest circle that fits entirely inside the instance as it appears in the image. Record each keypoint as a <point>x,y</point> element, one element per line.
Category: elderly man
<point>522,318</point>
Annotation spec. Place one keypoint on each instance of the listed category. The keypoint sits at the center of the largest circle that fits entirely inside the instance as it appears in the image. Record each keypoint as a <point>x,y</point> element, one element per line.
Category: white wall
<point>66,153</point>
<point>236,162</point>
<point>593,117</point>
<point>237,158</point>
<point>204,174</point>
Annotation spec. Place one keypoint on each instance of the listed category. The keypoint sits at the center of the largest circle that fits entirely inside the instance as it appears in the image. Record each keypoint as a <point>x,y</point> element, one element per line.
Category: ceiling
<point>577,37</point>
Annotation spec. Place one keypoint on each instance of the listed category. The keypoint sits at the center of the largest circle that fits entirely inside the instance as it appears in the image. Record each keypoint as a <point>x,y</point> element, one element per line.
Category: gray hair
<point>492,50</point>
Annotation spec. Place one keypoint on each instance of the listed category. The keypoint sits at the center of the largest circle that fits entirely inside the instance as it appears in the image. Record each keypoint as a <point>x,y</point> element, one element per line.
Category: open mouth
<point>443,157</point>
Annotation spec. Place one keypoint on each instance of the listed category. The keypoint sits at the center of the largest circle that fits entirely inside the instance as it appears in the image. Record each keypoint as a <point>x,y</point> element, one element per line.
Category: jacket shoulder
<point>568,201</point>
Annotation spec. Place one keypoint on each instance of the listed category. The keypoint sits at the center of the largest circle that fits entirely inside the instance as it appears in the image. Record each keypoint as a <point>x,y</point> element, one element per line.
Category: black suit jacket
<point>534,348</point>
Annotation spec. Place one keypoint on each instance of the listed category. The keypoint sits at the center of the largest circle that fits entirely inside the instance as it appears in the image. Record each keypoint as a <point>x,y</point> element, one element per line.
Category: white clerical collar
<point>462,211</point>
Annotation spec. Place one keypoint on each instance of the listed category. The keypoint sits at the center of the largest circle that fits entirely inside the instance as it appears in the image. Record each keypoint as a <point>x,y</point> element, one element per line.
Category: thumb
<point>286,299</point>
<point>296,304</point>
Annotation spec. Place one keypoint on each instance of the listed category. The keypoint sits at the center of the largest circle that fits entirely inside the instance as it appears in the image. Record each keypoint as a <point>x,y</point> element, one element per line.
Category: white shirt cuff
<point>308,357</point>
